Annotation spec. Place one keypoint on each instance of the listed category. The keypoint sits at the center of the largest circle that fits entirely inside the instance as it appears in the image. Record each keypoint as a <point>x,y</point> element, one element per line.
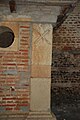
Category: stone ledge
<point>41,116</point>
<point>29,116</point>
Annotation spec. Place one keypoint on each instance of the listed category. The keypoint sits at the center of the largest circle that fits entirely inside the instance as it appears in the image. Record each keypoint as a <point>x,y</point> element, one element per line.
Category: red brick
<point>9,108</point>
<point>17,108</point>
<point>24,26</point>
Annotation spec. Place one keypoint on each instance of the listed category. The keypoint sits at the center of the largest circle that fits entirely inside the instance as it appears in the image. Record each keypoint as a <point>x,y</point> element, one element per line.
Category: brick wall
<point>15,74</point>
<point>66,55</point>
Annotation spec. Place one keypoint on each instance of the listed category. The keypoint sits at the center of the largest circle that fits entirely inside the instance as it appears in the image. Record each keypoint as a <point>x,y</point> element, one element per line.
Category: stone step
<point>29,116</point>
<point>41,116</point>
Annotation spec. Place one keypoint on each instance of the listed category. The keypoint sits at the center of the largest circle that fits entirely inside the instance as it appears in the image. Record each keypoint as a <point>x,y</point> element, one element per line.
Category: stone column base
<point>41,116</point>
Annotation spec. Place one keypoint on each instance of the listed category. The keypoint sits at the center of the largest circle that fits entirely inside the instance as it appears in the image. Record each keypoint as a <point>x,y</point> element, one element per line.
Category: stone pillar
<point>41,68</point>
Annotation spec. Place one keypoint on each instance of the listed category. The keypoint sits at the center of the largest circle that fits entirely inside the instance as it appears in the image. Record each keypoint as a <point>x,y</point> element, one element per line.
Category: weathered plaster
<point>38,13</point>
